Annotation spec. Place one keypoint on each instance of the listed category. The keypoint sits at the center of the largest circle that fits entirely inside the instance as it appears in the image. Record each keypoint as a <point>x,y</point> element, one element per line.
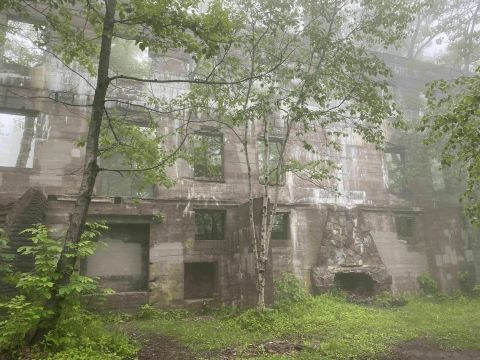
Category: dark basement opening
<point>355,283</point>
<point>200,280</point>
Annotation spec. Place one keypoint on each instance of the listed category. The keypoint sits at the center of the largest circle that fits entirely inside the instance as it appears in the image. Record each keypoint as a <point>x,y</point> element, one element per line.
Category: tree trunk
<point>65,265</point>
<point>26,144</point>
<point>467,61</point>
<point>263,251</point>
<point>413,41</point>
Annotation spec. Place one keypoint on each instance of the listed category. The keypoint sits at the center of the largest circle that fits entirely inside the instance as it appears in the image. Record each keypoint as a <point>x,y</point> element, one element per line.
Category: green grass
<point>330,328</point>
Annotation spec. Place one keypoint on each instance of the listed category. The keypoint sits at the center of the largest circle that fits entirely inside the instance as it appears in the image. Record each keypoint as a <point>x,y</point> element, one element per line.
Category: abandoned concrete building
<point>188,244</point>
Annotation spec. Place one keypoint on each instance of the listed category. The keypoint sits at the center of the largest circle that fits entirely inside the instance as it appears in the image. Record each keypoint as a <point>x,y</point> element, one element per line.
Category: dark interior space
<point>355,283</point>
<point>200,280</point>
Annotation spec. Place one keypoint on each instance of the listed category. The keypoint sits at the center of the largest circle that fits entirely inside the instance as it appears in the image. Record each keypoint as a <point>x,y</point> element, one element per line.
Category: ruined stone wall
<point>443,227</point>
<point>404,259</point>
<point>319,235</point>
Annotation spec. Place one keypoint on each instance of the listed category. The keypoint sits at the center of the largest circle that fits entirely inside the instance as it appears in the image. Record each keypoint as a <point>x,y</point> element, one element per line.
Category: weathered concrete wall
<point>171,242</point>
<point>404,261</point>
<point>445,251</point>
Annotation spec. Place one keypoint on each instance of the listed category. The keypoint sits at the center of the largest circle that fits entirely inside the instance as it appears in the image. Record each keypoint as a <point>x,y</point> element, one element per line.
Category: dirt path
<point>417,350</point>
<point>159,347</point>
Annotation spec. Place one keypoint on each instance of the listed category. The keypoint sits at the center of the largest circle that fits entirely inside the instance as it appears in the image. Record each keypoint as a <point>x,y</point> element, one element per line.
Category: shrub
<point>387,299</point>
<point>467,281</point>
<point>476,291</point>
<point>4,256</point>
<point>148,312</point>
<point>254,320</point>
<point>288,289</point>
<point>427,284</point>
<point>75,328</point>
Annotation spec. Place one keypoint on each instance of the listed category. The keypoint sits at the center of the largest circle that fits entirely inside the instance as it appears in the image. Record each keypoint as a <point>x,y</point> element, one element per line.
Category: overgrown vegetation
<point>427,284</point>
<point>327,326</point>
<point>452,121</point>
<point>77,334</point>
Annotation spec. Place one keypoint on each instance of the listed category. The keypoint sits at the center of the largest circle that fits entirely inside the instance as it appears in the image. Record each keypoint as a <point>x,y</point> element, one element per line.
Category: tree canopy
<point>453,121</point>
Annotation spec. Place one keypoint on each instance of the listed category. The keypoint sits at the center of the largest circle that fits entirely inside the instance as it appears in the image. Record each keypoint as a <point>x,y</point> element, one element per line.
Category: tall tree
<point>453,122</point>
<point>325,85</point>
<point>453,27</point>
<point>156,25</point>
<point>463,35</point>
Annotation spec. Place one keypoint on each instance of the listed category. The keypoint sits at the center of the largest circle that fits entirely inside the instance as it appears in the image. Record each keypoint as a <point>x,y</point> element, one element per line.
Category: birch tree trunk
<point>263,251</point>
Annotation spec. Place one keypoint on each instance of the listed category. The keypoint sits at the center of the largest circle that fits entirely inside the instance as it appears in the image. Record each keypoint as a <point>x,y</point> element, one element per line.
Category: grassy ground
<point>328,327</point>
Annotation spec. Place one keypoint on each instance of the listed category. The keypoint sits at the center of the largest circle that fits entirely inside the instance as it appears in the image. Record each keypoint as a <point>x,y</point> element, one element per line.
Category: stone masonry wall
<point>314,226</point>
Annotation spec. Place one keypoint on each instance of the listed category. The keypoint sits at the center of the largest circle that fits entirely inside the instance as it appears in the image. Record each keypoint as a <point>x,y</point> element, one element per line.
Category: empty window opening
<point>208,156</point>
<point>132,128</point>
<point>122,263</point>
<point>395,158</point>
<point>404,225</point>
<point>17,140</point>
<point>271,171</point>
<point>210,224</point>
<point>200,280</point>
<point>122,184</point>
<point>280,226</point>
<point>438,180</point>
<point>355,283</point>
<point>22,45</point>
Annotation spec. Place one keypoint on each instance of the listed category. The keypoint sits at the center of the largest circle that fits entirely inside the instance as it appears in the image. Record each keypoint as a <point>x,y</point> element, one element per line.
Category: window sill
<point>279,185</point>
<point>198,300</point>
<point>219,240</point>
<point>15,168</point>
<point>205,179</point>
<point>281,243</point>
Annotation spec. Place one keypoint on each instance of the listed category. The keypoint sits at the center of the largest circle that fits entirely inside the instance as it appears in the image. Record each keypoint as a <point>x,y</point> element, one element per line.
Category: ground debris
<point>156,347</point>
<point>281,347</point>
<point>419,350</point>
<point>278,347</point>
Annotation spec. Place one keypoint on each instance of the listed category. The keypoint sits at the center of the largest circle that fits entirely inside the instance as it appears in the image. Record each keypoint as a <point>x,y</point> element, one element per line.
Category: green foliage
<point>288,289</point>
<point>476,291</point>
<point>5,258</point>
<point>452,121</point>
<point>467,281</point>
<point>76,331</point>
<point>387,299</point>
<point>207,156</point>
<point>71,30</point>
<point>79,333</point>
<point>256,321</point>
<point>127,59</point>
<point>452,24</point>
<point>22,44</point>
<point>300,69</point>
<point>427,284</point>
<point>147,311</point>
<point>135,156</point>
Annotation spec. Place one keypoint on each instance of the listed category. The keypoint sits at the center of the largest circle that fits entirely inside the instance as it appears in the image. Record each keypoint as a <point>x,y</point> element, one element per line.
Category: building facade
<point>189,244</point>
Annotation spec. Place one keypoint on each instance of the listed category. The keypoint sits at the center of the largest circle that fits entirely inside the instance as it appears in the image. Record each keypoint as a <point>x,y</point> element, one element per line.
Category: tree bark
<point>263,251</point>
<point>469,40</point>
<point>65,265</point>
<point>26,144</point>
